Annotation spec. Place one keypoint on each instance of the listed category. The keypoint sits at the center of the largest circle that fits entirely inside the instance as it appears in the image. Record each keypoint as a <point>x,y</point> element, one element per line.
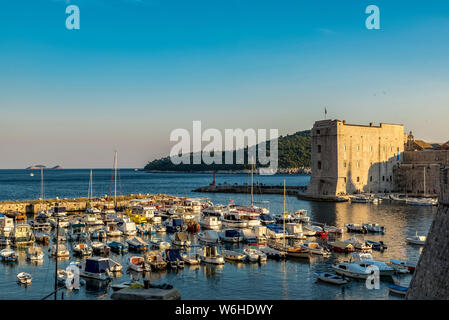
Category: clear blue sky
<point>137,69</point>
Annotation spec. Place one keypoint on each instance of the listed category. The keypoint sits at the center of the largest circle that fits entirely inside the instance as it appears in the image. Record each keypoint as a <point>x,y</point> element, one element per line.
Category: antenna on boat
<point>115,179</point>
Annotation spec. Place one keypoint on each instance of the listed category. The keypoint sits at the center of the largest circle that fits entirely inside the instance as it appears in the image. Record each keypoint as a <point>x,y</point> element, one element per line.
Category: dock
<point>257,189</point>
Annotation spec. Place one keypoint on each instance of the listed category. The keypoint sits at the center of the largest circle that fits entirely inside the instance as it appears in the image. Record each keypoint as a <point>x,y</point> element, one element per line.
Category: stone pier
<point>431,278</point>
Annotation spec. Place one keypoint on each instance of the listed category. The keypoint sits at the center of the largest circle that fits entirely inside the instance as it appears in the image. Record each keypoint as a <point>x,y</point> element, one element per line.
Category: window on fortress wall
<point>391,178</point>
<point>358,148</point>
<point>318,132</point>
<point>446,177</point>
<point>344,164</point>
<point>319,148</point>
<point>319,165</point>
<point>358,164</point>
<point>383,178</point>
<point>358,179</point>
<point>391,149</point>
<point>370,148</point>
<point>371,178</point>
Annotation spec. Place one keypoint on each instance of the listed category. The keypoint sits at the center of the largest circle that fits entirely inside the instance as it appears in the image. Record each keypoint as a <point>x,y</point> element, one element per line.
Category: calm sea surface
<point>271,280</point>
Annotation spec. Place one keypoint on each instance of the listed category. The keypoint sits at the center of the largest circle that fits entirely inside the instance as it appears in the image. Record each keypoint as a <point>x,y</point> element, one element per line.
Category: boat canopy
<point>97,265</point>
<point>178,222</point>
<point>274,227</point>
<point>232,233</point>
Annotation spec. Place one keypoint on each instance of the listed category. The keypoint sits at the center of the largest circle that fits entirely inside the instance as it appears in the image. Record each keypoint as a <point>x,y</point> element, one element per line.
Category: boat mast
<point>57,250</point>
<point>115,179</point>
<point>90,191</point>
<point>424,181</point>
<point>283,214</point>
<point>252,196</point>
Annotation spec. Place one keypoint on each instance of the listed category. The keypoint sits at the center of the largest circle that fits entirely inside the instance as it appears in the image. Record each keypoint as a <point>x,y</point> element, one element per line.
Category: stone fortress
<point>351,159</point>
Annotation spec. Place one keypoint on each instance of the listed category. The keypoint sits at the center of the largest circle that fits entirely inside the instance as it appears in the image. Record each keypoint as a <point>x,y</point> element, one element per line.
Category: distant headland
<point>40,166</point>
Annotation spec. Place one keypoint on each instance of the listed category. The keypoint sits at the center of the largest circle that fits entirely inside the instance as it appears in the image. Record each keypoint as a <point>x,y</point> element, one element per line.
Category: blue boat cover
<point>232,233</point>
<point>96,266</point>
<point>178,222</point>
<point>275,228</point>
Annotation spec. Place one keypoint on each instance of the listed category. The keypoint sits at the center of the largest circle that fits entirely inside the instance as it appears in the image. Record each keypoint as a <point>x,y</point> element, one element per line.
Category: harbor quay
<point>71,205</point>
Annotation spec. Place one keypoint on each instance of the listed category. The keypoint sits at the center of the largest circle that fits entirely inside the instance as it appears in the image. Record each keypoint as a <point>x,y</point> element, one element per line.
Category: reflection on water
<point>291,279</point>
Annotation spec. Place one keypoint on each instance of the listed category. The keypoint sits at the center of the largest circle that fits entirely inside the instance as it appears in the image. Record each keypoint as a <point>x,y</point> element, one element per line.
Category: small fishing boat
<point>374,227</point>
<point>209,236</point>
<point>377,245</point>
<point>366,259</point>
<point>233,255</point>
<point>160,228</point>
<point>175,225</point>
<point>43,238</point>
<point>340,246</point>
<point>35,253</point>
<point>420,240</point>
<point>22,235</point>
<point>308,230</point>
<point>360,244</point>
<point>353,227</point>
<point>254,255</point>
<point>24,278</point>
<point>180,239</point>
<point>114,266</point>
<point>231,235</point>
<point>82,250</point>
<point>100,248</point>
<point>117,247</point>
<point>137,244</point>
<point>331,278</point>
<point>8,255</point>
<point>137,263</point>
<point>190,259</point>
<point>315,248</point>
<point>156,261</point>
<point>62,251</point>
<point>78,232</point>
<point>333,230</point>
<point>99,234</point>
<point>403,265</point>
<point>96,268</point>
<point>396,289</point>
<point>266,219</point>
<point>159,244</point>
<point>174,259</point>
<point>209,254</point>
<point>112,229</point>
<point>273,253</point>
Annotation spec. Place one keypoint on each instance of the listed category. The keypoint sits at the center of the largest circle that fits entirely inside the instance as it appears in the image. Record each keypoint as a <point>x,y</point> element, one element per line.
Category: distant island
<point>40,166</point>
<point>294,153</point>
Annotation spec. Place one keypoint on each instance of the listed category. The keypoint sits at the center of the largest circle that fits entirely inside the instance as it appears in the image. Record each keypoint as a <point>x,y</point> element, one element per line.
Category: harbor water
<point>291,279</point>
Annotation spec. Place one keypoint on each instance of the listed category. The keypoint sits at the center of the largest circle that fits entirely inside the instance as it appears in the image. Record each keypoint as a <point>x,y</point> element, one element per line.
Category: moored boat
<point>137,244</point>
<point>330,278</point>
<point>137,263</point>
<point>24,278</point>
<point>233,255</point>
<point>209,254</point>
<point>96,268</point>
<point>396,289</point>
<point>35,253</point>
<point>315,248</point>
<point>416,239</point>
<point>8,255</point>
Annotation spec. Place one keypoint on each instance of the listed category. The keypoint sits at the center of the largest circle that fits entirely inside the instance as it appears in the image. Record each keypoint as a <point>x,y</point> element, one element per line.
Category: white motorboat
<point>333,229</point>
<point>100,248</point>
<point>209,236</point>
<point>24,278</point>
<point>233,219</point>
<point>190,259</point>
<point>365,259</point>
<point>35,253</point>
<point>112,229</point>
<point>273,253</point>
<point>254,255</point>
<point>99,234</point>
<point>353,270</point>
<point>301,216</point>
<point>308,230</point>
<point>330,278</point>
<point>128,228</point>
<point>354,227</point>
<point>210,222</point>
<point>233,255</point>
<point>421,202</point>
<point>159,244</point>
<point>315,248</point>
<point>62,251</point>
<point>295,230</point>
<point>22,235</point>
<point>8,255</point>
<point>420,240</point>
<point>209,254</point>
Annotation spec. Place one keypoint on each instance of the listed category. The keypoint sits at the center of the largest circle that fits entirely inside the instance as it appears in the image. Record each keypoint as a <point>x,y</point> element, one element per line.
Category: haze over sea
<point>272,280</point>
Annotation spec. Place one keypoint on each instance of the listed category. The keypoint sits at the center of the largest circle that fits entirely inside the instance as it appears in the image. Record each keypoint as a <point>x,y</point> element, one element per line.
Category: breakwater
<point>258,189</point>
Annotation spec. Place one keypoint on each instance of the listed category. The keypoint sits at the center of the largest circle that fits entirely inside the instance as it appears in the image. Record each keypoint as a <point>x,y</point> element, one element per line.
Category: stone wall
<point>431,278</point>
<point>349,158</point>
<point>409,178</point>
